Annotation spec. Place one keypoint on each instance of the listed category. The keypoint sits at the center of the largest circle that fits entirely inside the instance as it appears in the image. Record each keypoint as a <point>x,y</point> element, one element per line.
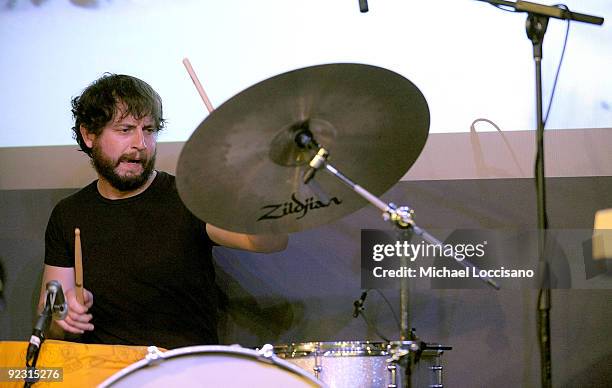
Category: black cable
<point>504,8</point>
<point>360,308</point>
<point>378,333</point>
<point>397,322</point>
<point>552,94</point>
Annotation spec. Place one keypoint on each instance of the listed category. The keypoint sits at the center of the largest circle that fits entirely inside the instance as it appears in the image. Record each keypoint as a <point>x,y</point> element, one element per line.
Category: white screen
<point>469,59</point>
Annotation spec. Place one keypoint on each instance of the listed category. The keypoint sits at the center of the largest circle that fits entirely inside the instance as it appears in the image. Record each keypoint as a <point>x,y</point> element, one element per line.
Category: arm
<point>264,243</point>
<point>77,319</point>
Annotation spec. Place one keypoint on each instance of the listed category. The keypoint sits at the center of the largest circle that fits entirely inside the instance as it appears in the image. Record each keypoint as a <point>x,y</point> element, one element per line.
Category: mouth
<point>130,164</point>
<point>130,160</point>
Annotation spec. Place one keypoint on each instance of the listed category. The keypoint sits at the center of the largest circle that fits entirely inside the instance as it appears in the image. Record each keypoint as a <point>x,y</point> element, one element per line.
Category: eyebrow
<point>126,125</point>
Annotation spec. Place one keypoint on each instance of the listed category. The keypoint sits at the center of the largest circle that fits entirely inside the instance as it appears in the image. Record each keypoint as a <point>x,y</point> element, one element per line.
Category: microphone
<point>363,6</point>
<point>56,306</point>
<point>57,300</point>
<point>358,304</point>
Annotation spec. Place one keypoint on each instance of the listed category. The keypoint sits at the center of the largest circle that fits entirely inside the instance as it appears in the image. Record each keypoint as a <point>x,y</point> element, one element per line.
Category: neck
<point>108,191</point>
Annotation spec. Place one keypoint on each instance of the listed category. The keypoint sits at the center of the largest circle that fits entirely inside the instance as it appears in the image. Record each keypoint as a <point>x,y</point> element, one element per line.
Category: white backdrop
<point>469,59</point>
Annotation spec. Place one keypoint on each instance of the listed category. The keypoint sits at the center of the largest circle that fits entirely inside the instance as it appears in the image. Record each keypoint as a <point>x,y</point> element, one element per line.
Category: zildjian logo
<point>294,207</point>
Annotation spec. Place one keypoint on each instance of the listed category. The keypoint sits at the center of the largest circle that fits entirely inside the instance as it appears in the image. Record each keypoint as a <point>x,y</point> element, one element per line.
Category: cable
<point>552,94</point>
<point>360,310</point>
<point>363,315</point>
<point>504,138</point>
<point>397,322</point>
<point>504,8</point>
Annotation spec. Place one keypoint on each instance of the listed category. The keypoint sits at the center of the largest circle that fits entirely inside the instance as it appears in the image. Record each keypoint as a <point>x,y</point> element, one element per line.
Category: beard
<point>106,166</point>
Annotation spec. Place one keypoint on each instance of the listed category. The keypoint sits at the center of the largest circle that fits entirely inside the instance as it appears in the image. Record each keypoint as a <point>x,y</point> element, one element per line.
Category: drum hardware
<point>311,113</point>
<point>266,351</point>
<point>154,355</point>
<point>402,219</point>
<point>392,368</point>
<point>317,366</point>
<point>418,350</point>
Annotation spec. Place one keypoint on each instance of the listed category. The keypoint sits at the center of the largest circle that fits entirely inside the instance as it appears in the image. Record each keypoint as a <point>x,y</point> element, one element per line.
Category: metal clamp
<point>154,355</point>
<point>266,351</point>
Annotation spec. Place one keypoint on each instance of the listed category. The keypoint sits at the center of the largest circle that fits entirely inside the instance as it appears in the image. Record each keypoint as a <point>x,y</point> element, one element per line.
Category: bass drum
<point>212,366</point>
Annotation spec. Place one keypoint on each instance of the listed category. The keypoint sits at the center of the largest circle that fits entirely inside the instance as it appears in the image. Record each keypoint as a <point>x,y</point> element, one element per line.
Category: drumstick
<point>198,85</point>
<point>78,267</point>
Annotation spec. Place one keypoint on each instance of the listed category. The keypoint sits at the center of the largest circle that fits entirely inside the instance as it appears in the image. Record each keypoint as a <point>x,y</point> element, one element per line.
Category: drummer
<point>147,261</point>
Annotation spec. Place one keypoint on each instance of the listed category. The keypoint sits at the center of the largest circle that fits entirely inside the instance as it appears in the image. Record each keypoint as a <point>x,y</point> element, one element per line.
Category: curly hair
<point>97,105</point>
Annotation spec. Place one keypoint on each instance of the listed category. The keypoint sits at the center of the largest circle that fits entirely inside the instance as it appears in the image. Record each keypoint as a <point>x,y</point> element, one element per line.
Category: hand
<point>249,242</point>
<point>77,320</point>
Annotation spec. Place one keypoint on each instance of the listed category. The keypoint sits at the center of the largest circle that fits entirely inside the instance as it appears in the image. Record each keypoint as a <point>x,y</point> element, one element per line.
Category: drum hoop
<point>209,349</point>
<point>432,350</point>
<point>332,349</point>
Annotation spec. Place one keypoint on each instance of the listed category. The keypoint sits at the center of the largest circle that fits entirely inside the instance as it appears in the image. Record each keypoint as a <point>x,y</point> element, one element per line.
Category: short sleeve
<point>57,248</point>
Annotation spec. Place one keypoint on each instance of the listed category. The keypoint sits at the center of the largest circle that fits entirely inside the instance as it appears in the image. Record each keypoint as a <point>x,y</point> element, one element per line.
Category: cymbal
<point>242,170</point>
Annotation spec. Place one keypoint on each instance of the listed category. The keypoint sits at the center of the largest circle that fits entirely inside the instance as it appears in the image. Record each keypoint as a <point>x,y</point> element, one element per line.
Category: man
<point>146,258</point>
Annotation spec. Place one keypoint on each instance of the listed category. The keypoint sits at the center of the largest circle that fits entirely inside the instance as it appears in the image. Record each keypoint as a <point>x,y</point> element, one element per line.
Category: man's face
<point>124,151</point>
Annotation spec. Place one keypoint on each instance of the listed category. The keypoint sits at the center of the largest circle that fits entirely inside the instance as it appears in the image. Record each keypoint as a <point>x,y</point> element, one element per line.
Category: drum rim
<point>204,349</point>
<point>332,349</point>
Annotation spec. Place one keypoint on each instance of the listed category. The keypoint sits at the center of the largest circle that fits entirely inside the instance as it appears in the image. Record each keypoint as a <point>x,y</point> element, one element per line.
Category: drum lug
<point>154,355</point>
<point>392,368</point>
<point>266,351</point>
<point>318,367</point>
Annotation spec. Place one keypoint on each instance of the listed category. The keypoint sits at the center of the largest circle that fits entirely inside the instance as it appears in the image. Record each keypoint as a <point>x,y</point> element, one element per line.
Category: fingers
<point>87,298</point>
<point>74,304</point>
<point>75,326</point>
<point>77,320</point>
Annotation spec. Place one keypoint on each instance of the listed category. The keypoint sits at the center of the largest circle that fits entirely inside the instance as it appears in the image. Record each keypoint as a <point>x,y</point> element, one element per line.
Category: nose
<point>138,140</point>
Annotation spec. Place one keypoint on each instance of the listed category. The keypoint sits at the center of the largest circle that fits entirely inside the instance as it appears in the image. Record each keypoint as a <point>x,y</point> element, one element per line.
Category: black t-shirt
<point>147,261</point>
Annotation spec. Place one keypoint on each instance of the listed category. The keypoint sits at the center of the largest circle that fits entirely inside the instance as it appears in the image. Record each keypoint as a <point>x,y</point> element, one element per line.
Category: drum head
<point>212,366</point>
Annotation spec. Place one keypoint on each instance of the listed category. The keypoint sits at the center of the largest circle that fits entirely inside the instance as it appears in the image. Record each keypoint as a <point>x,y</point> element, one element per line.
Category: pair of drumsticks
<point>78,255</point>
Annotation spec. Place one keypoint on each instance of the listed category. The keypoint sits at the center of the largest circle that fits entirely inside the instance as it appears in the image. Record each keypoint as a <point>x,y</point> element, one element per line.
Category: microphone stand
<point>536,28</point>
<point>41,326</point>
<point>37,339</point>
<point>536,24</point>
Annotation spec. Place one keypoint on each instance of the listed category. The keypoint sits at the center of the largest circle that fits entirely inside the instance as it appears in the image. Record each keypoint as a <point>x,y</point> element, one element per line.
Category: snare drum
<point>212,366</point>
<point>362,363</point>
<point>341,364</point>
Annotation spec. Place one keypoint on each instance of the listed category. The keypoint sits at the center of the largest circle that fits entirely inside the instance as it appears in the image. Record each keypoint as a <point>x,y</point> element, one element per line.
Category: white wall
<point>468,58</point>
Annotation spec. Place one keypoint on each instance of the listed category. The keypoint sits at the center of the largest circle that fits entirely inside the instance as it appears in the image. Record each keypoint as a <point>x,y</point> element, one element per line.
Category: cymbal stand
<point>402,219</point>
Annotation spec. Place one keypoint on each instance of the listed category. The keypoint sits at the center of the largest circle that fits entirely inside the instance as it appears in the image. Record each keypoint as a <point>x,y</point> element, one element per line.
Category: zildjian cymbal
<point>242,169</point>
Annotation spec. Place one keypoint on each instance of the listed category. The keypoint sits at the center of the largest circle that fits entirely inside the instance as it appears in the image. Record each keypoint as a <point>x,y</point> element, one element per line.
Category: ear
<point>88,137</point>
